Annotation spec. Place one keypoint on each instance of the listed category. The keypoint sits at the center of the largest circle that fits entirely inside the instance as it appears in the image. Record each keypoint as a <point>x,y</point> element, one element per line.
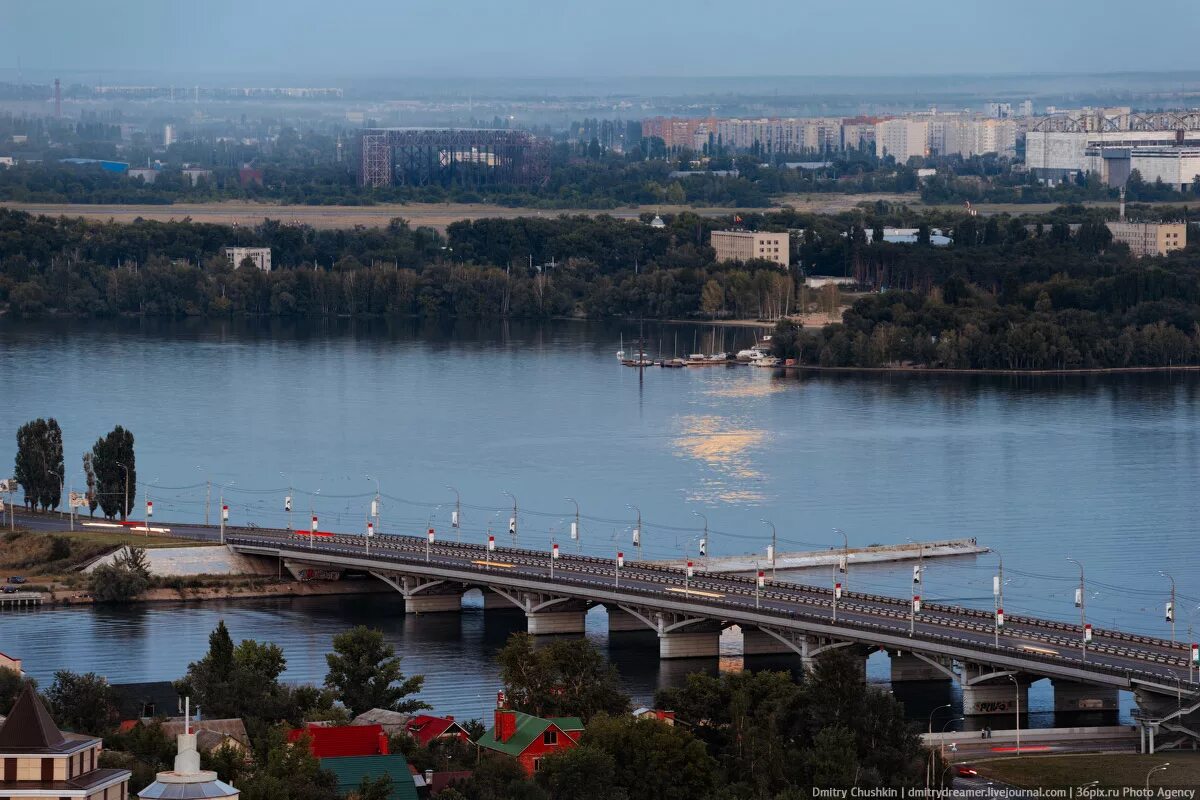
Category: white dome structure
<point>187,781</point>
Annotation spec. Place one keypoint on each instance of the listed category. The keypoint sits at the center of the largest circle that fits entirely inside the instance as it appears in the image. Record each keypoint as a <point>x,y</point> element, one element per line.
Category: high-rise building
<point>168,135</point>
<point>902,138</point>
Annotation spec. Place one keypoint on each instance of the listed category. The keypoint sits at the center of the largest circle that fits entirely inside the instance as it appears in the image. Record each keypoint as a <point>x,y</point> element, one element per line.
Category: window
<point>550,736</point>
<point>537,764</point>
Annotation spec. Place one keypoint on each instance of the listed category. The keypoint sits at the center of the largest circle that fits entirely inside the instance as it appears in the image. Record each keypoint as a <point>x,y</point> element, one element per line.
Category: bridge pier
<point>1072,696</point>
<point>915,667</point>
<point>493,601</point>
<point>756,642</point>
<point>698,640</point>
<point>565,618</point>
<point>424,596</point>
<point>987,691</point>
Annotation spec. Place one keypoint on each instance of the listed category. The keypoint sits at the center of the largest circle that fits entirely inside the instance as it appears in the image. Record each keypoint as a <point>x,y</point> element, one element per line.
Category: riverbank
<point>914,370</point>
<point>241,589</point>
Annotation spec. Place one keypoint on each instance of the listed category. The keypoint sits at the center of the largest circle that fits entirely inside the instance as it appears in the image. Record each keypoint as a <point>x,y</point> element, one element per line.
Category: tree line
<point>109,469</point>
<point>753,735</point>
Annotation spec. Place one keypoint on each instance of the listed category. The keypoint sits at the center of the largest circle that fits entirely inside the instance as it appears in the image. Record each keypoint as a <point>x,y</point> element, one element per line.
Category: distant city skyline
<point>307,41</point>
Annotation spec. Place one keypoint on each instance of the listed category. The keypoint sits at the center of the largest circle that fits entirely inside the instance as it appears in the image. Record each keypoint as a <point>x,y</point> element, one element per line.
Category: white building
<point>168,135</point>
<point>902,138</point>
<point>261,256</point>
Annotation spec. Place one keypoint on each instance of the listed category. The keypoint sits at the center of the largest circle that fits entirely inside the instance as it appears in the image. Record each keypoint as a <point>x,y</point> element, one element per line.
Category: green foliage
<point>287,773</point>
<point>11,684</point>
<point>135,560</point>
<point>365,673</point>
<point>82,703</point>
<point>653,761</point>
<point>39,463</point>
<point>116,472</point>
<point>499,778</point>
<point>116,583</point>
<point>231,764</point>
<point>581,773</point>
<point>568,677</point>
<point>373,789</point>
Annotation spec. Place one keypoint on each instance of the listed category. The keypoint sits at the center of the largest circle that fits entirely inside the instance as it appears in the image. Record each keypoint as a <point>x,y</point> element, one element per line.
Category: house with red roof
<point>426,729</point>
<point>527,738</point>
<point>337,741</point>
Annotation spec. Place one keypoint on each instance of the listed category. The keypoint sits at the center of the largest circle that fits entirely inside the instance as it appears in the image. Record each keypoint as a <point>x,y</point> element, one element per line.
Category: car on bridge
<point>16,579</point>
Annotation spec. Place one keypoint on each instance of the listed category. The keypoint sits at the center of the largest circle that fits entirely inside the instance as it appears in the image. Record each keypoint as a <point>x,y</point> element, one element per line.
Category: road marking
<point>500,564</point>
<point>1043,650</point>
<point>101,525</point>
<point>696,592</point>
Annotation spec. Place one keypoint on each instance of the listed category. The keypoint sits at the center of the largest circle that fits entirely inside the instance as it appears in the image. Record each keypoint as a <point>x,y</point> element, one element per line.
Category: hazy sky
<point>342,39</point>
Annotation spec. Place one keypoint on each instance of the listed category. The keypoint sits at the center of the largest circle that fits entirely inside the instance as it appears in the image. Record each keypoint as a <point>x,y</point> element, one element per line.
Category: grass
<point>1113,770</point>
<point>54,553</point>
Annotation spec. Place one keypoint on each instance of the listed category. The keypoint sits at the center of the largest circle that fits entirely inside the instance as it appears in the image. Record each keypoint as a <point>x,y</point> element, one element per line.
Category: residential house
<point>426,729</point>
<point>350,772</point>
<point>334,741</point>
<point>390,721</point>
<point>8,662</point>
<point>212,734</point>
<point>37,760</point>
<point>527,738</point>
<point>667,717</point>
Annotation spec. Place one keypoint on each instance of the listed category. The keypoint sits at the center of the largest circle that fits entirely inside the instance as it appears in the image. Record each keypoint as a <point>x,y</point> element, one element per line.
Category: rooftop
<point>350,772</point>
<point>528,728</point>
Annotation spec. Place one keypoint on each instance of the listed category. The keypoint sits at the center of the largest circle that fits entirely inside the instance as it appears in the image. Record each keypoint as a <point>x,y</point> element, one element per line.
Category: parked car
<point>16,579</point>
<point>9,589</point>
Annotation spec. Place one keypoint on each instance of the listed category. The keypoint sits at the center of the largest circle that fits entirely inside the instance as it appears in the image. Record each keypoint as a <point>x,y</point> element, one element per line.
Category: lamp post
<point>207,492</point>
<point>456,516</point>
<point>1017,686</point>
<point>704,539</point>
<point>1080,599</point>
<point>942,743</point>
<point>773,550</point>
<point>1159,768</point>
<point>929,758</point>
<point>375,502</point>
<point>844,567</point>
<point>512,523</point>
<point>125,508</point>
<point>1170,605</point>
<point>637,530</point>
<point>287,502</point>
<point>576,533</point>
<point>998,595</point>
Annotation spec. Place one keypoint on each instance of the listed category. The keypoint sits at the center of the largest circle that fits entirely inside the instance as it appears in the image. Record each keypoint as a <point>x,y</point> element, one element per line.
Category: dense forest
<point>1045,292</point>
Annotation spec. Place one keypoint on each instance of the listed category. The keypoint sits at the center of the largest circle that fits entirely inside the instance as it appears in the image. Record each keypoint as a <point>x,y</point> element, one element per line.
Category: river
<point>1098,468</point>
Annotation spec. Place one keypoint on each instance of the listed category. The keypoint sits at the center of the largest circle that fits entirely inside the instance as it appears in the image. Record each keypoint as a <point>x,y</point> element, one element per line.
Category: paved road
<point>1113,657</point>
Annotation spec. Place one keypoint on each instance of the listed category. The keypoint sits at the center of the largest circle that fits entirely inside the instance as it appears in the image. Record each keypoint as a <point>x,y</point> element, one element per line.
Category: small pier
<point>20,600</point>
<point>828,558</point>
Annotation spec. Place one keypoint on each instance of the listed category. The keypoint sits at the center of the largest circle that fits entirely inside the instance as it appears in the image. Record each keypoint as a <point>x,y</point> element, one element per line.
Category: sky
<point>339,40</point>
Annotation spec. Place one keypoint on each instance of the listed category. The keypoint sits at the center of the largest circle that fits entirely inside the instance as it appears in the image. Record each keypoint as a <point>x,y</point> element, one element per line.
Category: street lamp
<point>576,534</point>
<point>771,552</point>
<point>287,502</point>
<point>704,540</point>
<point>1017,686</point>
<point>125,508</point>
<point>1080,599</point>
<point>998,593</point>
<point>1159,768</point>
<point>456,516</point>
<point>512,523</point>
<point>942,743</point>
<point>1171,605</point>
<point>844,567</point>
<point>375,502</point>
<point>207,492</point>
<point>637,529</point>
<point>929,758</point>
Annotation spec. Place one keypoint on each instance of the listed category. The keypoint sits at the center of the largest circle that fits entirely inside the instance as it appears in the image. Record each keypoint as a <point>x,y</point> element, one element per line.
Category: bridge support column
<point>1071,696</point>
<point>558,619</point>
<point>987,691</point>
<point>1167,719</point>
<point>621,621</point>
<point>493,601</point>
<point>423,596</point>
<point>432,603</point>
<point>699,640</point>
<point>756,642</point>
<point>908,667</point>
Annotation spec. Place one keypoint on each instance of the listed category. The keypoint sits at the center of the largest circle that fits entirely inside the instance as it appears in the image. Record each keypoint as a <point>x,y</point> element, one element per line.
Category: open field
<point>1112,770</point>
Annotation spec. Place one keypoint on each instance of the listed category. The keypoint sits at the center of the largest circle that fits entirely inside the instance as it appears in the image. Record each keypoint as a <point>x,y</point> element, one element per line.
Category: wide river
<point>1100,469</point>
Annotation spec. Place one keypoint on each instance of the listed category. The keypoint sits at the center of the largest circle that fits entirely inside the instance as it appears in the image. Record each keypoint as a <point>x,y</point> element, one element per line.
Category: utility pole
<point>125,508</point>
<point>575,530</point>
<point>844,567</point>
<point>998,596</point>
<point>772,550</point>
<point>456,515</point>
<point>637,530</point>
<point>1171,605</point>
<point>704,539</point>
<point>375,502</point>
<point>512,522</point>
<point>1080,600</point>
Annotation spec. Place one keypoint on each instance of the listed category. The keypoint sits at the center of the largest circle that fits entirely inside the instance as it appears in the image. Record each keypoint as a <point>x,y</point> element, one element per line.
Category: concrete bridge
<point>994,667</point>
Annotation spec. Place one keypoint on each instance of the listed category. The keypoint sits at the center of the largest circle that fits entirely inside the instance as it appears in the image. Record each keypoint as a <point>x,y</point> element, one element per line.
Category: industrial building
<point>261,256</point>
<point>1149,238</point>
<point>742,246</point>
<point>451,156</point>
<point>1177,167</point>
<point>1064,144</point>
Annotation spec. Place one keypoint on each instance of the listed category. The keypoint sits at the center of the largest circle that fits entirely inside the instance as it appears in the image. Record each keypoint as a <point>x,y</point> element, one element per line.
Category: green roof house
<point>351,770</point>
<point>528,738</point>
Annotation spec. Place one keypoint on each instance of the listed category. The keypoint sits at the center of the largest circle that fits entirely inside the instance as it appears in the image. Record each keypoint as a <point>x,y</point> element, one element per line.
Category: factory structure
<point>451,157</point>
<point>1114,142</point>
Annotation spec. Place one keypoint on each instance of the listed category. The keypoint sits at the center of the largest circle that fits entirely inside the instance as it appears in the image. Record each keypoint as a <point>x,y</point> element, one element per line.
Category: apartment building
<point>902,138</point>
<point>742,246</point>
<point>1150,238</point>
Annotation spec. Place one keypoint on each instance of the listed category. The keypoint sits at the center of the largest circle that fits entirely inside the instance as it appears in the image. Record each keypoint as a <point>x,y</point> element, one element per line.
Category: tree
<point>83,703</point>
<point>712,298</point>
<point>116,583</point>
<point>116,472</point>
<point>568,677</point>
<point>287,773</point>
<point>364,671</point>
<point>39,463</point>
<point>833,762</point>
<point>373,789</point>
<point>134,559</point>
<point>89,473</point>
<point>580,773</point>
<point>496,778</point>
<point>11,685</point>
<point>653,760</point>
